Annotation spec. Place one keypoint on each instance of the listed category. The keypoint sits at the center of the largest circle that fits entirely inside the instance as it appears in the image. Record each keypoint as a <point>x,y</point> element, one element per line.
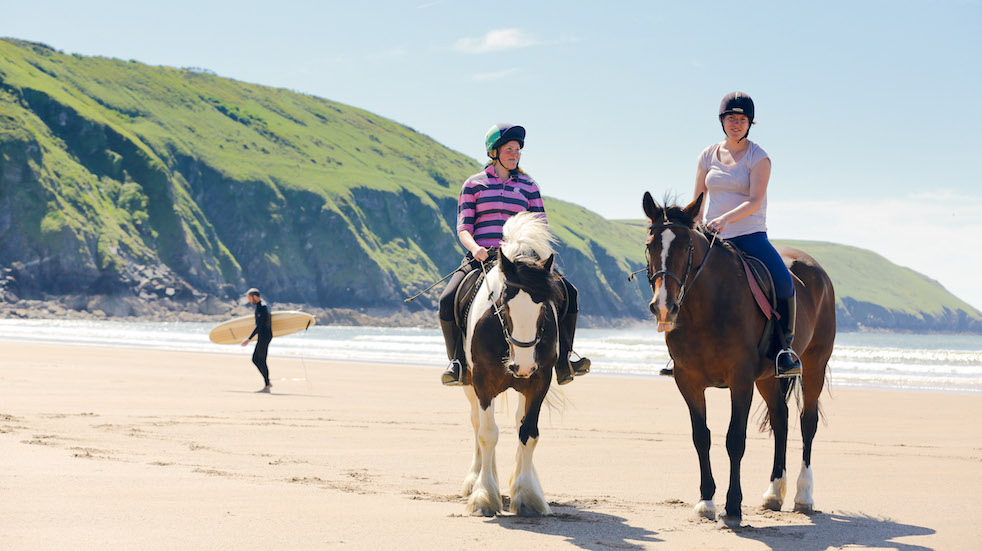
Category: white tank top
<point>729,186</point>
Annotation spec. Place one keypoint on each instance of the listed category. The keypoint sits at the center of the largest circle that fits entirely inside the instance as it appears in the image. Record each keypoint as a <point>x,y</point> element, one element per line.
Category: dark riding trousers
<point>757,245</point>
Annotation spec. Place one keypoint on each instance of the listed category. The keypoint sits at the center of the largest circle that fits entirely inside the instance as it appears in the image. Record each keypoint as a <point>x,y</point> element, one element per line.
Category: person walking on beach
<point>487,200</point>
<point>264,331</point>
<point>735,174</point>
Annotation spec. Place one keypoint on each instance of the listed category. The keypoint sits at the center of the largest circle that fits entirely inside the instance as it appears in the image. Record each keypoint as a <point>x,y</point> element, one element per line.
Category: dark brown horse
<point>713,327</point>
<point>512,341</point>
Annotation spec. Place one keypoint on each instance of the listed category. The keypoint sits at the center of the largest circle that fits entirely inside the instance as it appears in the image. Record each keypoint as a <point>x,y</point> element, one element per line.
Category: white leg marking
<point>804,501</point>
<point>475,469</point>
<point>661,301</point>
<point>774,496</point>
<point>706,509</point>
<point>527,498</point>
<point>485,499</point>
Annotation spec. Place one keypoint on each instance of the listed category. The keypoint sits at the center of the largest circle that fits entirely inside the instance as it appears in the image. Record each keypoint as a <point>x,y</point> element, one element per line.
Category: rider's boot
<point>787,362</point>
<point>566,369</point>
<point>456,373</point>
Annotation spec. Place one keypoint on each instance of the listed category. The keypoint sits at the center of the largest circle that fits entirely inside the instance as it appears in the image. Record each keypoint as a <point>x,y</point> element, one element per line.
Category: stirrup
<point>580,366</point>
<point>669,369</point>
<point>454,375</point>
<point>793,371</point>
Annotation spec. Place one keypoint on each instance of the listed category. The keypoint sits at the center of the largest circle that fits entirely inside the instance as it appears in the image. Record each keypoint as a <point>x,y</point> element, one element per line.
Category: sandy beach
<point>141,449</point>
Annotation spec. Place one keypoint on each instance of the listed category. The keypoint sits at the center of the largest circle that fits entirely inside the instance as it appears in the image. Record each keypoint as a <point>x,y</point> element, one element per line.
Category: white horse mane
<point>527,234</point>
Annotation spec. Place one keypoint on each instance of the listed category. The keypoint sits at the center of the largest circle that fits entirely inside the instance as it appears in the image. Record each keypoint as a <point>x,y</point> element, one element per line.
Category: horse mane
<point>527,234</point>
<point>676,214</point>
<point>527,241</point>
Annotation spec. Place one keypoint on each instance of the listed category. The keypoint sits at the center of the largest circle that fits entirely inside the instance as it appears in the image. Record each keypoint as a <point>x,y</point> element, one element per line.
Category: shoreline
<point>212,310</point>
<point>357,456</point>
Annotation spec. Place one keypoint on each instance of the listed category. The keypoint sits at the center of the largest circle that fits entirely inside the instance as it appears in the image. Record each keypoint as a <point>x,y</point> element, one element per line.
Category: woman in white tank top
<point>734,174</point>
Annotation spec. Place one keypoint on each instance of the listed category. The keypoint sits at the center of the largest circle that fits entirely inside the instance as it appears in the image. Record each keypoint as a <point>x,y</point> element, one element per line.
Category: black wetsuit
<point>264,329</point>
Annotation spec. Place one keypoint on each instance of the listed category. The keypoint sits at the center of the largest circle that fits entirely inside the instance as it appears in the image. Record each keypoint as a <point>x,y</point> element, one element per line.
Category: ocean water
<point>947,363</point>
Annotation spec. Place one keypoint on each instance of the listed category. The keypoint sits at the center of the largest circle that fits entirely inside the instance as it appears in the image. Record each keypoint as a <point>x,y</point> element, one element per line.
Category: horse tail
<point>527,234</point>
<point>555,400</point>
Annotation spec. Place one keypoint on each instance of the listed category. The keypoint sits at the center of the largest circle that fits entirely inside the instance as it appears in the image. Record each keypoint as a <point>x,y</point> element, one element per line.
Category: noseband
<point>501,318</point>
<point>688,265</point>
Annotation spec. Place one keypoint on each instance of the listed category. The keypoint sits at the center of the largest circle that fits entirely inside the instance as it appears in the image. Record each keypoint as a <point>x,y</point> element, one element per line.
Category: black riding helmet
<point>737,103</point>
<point>501,134</point>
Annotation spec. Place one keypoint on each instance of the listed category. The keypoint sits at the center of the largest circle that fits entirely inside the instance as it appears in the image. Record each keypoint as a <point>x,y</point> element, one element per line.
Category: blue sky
<point>870,110</point>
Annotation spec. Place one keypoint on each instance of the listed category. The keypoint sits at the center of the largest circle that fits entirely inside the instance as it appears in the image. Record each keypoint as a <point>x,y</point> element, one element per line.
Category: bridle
<point>683,289</point>
<point>501,318</point>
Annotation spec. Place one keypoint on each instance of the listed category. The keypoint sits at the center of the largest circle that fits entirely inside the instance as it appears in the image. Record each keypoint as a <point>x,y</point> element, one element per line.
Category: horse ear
<point>650,206</point>
<point>547,266</point>
<point>693,209</point>
<point>507,266</point>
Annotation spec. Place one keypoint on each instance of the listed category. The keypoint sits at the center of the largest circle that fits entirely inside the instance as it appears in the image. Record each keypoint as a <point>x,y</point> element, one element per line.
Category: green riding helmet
<point>503,133</point>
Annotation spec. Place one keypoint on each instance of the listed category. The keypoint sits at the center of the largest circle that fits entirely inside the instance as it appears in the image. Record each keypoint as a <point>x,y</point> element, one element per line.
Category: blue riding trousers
<point>757,245</point>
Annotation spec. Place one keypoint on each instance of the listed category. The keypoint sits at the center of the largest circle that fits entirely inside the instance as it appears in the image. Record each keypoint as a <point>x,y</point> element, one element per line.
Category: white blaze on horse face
<point>661,299</point>
<point>524,316</point>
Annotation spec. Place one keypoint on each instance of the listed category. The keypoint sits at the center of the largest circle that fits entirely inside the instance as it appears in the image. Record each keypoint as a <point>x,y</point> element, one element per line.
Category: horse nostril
<point>653,308</point>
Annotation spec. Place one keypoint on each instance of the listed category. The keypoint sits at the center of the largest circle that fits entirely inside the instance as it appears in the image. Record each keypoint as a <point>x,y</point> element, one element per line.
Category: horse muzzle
<point>518,372</point>
<point>665,316</point>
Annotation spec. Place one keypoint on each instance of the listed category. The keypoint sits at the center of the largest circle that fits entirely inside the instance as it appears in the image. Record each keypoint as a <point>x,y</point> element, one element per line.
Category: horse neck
<point>712,283</point>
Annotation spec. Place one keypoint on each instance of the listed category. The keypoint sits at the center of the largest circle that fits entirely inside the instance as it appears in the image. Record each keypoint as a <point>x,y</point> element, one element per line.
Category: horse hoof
<point>706,509</point>
<point>805,508</point>
<point>772,503</point>
<point>730,521</point>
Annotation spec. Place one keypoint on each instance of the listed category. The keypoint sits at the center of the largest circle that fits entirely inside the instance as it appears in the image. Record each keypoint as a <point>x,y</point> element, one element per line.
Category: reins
<point>683,288</point>
<point>501,318</point>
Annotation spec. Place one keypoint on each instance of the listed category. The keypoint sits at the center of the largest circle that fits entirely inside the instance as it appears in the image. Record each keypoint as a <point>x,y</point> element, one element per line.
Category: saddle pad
<point>465,295</point>
<point>759,295</point>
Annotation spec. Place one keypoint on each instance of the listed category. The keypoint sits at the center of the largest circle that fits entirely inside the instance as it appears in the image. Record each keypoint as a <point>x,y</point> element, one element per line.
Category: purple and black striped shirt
<point>486,203</point>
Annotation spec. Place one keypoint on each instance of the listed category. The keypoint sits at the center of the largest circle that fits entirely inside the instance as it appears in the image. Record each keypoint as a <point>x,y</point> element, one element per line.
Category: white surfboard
<point>284,323</point>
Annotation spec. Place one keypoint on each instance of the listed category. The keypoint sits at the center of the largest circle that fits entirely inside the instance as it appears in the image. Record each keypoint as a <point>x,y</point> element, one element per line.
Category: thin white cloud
<point>496,40</point>
<point>926,232</point>
<point>495,76</point>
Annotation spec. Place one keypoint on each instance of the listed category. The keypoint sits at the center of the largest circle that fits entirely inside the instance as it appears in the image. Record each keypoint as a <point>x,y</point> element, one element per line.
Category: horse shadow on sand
<point>583,529</point>
<point>838,530</point>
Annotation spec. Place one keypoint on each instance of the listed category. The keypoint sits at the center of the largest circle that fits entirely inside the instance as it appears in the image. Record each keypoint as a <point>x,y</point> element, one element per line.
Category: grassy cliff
<point>118,177</point>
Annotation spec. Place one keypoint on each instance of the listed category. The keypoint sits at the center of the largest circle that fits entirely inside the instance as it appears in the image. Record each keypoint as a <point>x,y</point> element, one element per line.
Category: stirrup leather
<point>669,369</point>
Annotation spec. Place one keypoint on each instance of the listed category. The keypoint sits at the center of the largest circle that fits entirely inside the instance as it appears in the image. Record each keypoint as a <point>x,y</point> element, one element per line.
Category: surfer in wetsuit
<point>264,330</point>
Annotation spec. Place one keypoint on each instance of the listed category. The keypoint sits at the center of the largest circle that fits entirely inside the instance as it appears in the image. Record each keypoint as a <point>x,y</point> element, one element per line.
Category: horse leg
<point>527,498</point>
<point>475,469</point>
<point>696,401</point>
<point>777,413</point>
<point>812,381</point>
<point>741,396</point>
<point>485,497</point>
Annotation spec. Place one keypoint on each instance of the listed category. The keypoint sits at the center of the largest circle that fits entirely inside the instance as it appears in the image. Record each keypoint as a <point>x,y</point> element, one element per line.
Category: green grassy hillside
<point>119,177</point>
<point>873,293</point>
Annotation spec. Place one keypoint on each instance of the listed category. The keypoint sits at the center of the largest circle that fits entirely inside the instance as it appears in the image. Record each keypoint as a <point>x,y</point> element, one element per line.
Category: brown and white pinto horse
<point>713,327</point>
<point>512,341</point>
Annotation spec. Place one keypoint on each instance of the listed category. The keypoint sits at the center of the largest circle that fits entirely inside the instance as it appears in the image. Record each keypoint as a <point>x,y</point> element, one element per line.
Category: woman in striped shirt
<point>487,200</point>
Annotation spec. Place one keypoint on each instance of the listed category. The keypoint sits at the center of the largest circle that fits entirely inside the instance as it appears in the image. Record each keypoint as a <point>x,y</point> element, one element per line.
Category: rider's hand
<point>717,224</point>
<point>480,254</point>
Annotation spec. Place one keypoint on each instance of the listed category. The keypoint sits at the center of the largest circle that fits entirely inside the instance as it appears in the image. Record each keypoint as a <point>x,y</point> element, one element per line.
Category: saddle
<point>762,286</point>
<point>467,290</point>
<point>465,296</point>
